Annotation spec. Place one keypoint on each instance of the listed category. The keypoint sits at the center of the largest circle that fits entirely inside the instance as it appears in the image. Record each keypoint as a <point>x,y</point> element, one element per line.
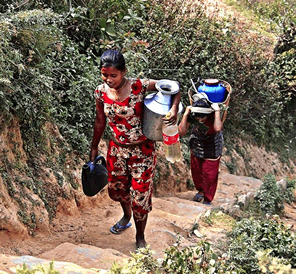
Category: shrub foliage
<point>50,52</point>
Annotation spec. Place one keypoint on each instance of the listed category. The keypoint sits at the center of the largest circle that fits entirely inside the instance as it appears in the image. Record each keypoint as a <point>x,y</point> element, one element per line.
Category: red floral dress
<point>130,168</point>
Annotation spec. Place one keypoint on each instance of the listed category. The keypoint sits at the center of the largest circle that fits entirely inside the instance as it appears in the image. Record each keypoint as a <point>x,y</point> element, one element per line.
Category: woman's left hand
<point>170,118</point>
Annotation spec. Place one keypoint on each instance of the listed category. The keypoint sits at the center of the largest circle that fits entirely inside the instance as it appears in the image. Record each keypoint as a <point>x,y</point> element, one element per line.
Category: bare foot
<point>141,243</point>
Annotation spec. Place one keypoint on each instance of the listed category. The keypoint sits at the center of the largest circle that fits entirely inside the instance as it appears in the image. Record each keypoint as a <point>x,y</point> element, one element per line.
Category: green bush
<point>250,236</point>
<point>288,195</point>
<point>199,258</point>
<point>46,80</point>
<point>51,65</point>
<point>269,196</point>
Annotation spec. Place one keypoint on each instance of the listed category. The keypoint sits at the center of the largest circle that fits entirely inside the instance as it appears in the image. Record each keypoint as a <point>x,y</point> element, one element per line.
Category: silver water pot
<point>156,106</point>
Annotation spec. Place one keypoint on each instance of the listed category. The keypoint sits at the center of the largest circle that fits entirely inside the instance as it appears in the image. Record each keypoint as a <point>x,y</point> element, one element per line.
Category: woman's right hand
<point>93,153</point>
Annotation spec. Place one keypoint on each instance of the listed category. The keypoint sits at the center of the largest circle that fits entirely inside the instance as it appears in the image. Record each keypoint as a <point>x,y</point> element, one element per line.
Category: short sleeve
<point>98,93</point>
<point>145,84</point>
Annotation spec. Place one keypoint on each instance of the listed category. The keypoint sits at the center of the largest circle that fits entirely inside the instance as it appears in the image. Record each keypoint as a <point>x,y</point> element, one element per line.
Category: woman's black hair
<point>113,58</point>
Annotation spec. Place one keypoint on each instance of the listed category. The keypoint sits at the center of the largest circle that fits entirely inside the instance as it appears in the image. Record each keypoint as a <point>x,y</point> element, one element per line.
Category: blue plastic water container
<point>213,89</point>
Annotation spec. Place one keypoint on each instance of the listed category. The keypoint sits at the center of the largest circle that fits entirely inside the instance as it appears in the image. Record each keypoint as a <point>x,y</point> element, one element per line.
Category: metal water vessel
<point>156,106</point>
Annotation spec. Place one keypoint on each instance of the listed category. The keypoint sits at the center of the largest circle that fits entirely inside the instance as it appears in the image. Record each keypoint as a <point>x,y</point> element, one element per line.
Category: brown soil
<point>171,216</point>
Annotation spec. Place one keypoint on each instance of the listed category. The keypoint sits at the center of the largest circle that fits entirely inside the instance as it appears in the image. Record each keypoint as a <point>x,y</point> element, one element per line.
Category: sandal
<point>118,229</point>
<point>198,197</point>
<point>206,203</point>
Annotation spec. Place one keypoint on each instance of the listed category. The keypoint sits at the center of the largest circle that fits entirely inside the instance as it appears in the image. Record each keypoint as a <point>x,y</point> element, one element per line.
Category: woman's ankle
<point>140,242</point>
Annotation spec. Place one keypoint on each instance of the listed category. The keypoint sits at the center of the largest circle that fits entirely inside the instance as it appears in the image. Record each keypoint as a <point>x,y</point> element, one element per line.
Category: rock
<point>197,233</point>
<point>225,207</point>
<point>282,184</point>
<point>86,256</point>
<point>13,263</point>
<point>241,201</point>
<point>235,211</point>
<point>244,200</point>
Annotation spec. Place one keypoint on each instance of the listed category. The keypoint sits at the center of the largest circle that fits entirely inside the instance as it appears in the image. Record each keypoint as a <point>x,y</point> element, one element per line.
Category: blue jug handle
<point>100,158</point>
<point>222,85</point>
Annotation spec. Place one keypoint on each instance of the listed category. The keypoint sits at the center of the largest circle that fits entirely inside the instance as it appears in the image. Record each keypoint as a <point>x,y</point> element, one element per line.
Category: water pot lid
<point>167,86</point>
<point>212,81</point>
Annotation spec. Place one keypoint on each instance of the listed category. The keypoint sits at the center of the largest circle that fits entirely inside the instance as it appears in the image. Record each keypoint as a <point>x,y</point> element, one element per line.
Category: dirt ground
<point>171,215</point>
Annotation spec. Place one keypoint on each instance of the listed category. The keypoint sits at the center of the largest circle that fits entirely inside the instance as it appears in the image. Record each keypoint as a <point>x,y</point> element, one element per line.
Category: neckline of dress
<point>131,90</point>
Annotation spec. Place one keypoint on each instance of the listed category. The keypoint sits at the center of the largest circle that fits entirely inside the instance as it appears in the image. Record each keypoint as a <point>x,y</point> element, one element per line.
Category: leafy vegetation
<point>250,236</point>
<point>254,246</point>
<point>270,197</point>
<point>50,53</point>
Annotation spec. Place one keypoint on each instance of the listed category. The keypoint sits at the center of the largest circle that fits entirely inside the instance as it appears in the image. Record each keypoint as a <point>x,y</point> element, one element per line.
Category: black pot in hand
<point>94,176</point>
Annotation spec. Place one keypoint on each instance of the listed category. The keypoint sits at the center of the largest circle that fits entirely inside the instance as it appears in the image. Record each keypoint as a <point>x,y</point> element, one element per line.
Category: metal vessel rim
<point>173,84</point>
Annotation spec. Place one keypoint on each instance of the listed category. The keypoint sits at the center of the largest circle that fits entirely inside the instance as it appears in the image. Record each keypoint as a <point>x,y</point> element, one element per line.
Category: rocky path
<point>79,242</point>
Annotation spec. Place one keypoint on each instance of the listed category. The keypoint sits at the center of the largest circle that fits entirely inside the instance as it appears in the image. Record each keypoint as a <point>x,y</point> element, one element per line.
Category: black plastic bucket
<point>94,181</point>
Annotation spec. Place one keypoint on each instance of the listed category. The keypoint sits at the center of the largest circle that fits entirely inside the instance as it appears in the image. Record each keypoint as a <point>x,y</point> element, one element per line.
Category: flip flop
<point>207,203</point>
<point>118,229</point>
<point>198,197</point>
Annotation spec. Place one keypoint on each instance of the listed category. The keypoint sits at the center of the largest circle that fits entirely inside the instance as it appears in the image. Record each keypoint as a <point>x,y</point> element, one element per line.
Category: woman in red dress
<point>131,157</point>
